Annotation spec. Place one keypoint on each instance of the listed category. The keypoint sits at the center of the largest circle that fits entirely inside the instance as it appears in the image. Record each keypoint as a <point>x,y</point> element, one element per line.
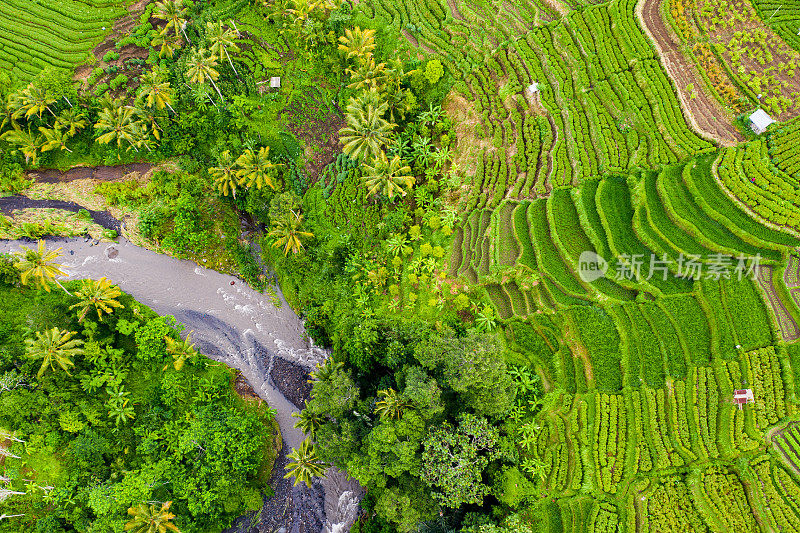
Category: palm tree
<point>391,404</point>
<point>71,119</point>
<point>34,100</point>
<point>307,422</point>
<point>289,235</point>
<point>180,350</point>
<point>151,519</point>
<point>147,117</point>
<point>119,124</point>
<point>167,45</point>
<point>28,144</point>
<point>222,39</point>
<point>54,138</point>
<point>98,294</point>
<point>256,168</point>
<point>201,66</point>
<point>326,370</point>
<point>224,175</point>
<point>156,92</point>
<point>174,13</point>
<point>357,43</point>
<point>368,74</point>
<point>40,265</point>
<point>53,346</point>
<point>366,132</point>
<point>387,176</point>
<point>305,464</point>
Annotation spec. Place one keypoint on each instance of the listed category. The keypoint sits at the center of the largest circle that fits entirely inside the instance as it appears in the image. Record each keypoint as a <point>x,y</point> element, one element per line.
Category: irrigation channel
<point>237,325</point>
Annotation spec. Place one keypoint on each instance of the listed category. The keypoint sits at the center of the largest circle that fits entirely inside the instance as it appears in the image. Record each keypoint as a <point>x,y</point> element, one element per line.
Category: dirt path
<point>704,114</point>
<point>454,10</point>
<point>12,203</point>
<point>103,173</point>
<point>234,324</point>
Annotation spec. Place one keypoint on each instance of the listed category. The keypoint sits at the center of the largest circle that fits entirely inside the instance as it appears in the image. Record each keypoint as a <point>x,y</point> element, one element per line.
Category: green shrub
<point>110,56</point>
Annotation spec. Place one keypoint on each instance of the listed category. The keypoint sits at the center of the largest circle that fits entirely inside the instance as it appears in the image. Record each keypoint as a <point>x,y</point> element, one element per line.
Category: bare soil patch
<point>704,114</point>
<point>103,173</point>
<point>318,129</point>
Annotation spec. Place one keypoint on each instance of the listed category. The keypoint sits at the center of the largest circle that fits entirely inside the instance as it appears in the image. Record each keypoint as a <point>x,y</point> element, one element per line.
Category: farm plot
<point>37,35</point>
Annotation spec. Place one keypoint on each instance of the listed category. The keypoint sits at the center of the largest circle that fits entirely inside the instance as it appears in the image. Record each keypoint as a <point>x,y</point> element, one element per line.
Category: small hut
<point>743,396</point>
<point>760,121</point>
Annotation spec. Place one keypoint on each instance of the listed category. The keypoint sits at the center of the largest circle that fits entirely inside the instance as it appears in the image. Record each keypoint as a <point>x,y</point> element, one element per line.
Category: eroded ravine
<point>234,324</point>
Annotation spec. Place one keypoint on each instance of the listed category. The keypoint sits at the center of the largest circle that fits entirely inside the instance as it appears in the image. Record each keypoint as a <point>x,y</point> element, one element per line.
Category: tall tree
<point>54,138</point>
<point>54,347</point>
<point>221,40</point>
<point>27,143</point>
<point>40,265</point>
<point>167,45</point>
<point>151,518</point>
<point>287,234</point>
<point>100,295</point>
<point>225,178</point>
<point>202,67</point>
<point>305,464</point>
<point>256,168</point>
<point>156,92</point>
<point>118,123</point>
<point>34,100</point>
<point>357,43</point>
<point>387,176</point>
<point>391,404</point>
<point>71,120</point>
<point>366,132</point>
<point>368,75</point>
<point>174,12</point>
<point>180,350</point>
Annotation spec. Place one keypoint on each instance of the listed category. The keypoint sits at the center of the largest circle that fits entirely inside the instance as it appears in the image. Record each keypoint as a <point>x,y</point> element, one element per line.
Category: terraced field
<point>36,34</point>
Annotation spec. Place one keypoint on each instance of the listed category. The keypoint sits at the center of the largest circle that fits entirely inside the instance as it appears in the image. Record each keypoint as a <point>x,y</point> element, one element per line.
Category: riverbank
<point>238,326</point>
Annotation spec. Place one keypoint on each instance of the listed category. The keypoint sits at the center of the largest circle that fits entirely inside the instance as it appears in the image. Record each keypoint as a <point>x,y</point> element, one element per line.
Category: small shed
<point>533,88</point>
<point>760,121</point>
<point>275,82</point>
<point>743,396</point>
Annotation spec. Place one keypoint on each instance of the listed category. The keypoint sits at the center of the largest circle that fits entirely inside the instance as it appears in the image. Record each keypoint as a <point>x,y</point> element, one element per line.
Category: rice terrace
<point>400,266</point>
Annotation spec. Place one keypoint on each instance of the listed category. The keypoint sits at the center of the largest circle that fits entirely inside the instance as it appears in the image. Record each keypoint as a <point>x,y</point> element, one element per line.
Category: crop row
<point>772,194</point>
<point>764,370</point>
<point>776,495</point>
<point>609,440</point>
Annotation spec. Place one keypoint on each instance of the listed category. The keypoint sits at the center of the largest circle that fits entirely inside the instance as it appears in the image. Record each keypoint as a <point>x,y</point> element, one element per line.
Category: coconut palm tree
<point>366,132</point>
<point>389,177</point>
<point>221,40</point>
<point>156,92</point>
<point>357,43</point>
<point>99,294</point>
<point>34,100</point>
<point>118,123</point>
<point>326,370</point>
<point>53,347</point>
<point>256,168</point>
<point>151,519</point>
<point>391,404</point>
<point>368,74</point>
<point>174,12</point>
<point>147,118</point>
<point>225,178</point>
<point>167,45</point>
<point>201,67</point>
<point>27,143</point>
<point>180,350</point>
<point>40,265</point>
<point>305,464</point>
<point>289,235</point>
<point>71,120</point>
<point>54,138</point>
<point>307,422</point>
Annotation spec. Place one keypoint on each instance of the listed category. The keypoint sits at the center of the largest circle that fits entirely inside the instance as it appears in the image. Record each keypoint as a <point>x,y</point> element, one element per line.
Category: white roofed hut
<point>760,121</point>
